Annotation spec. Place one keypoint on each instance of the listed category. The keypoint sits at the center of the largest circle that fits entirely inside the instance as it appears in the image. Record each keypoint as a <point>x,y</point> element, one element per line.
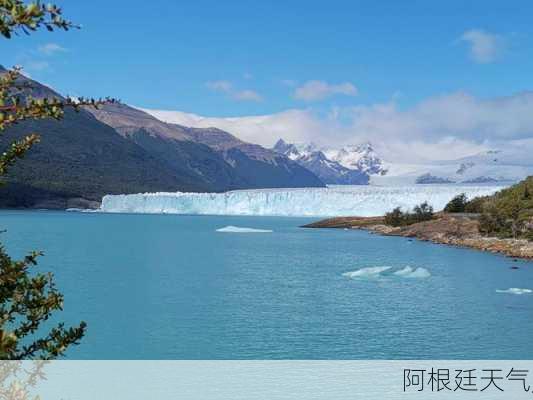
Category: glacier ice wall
<point>315,202</point>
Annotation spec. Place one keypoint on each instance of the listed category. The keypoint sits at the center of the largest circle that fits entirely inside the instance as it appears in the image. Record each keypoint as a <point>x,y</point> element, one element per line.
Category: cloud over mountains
<point>442,127</point>
<point>319,90</point>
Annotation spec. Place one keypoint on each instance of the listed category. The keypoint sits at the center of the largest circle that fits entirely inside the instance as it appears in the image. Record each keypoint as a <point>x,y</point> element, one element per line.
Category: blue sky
<point>162,54</point>
<point>241,58</point>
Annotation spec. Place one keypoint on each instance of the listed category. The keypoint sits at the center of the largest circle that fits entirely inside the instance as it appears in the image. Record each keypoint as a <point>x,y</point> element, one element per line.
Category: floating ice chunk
<point>237,229</point>
<point>409,272</point>
<point>420,273</point>
<point>382,272</point>
<point>404,272</point>
<point>366,273</point>
<point>515,291</point>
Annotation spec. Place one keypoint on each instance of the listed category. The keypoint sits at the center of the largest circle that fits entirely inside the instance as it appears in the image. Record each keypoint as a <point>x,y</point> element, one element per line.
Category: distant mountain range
<point>361,164</point>
<point>119,149</point>
<point>349,165</point>
<point>213,158</point>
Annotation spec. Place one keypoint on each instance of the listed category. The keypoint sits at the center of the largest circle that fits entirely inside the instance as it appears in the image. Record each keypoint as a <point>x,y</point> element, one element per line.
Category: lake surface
<point>172,287</point>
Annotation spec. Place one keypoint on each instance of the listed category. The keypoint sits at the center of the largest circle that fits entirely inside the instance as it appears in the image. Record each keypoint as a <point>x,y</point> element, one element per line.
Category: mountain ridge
<point>80,159</point>
<point>245,165</point>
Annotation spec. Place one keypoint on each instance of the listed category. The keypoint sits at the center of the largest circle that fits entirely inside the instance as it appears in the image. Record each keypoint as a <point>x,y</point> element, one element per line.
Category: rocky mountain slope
<point>360,157</point>
<point>225,162</point>
<point>84,156</point>
<point>78,160</point>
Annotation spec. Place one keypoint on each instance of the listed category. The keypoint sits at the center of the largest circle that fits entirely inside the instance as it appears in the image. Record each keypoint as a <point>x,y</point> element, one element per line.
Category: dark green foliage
<point>17,15</point>
<point>395,218</point>
<point>420,213</point>
<point>82,157</point>
<point>17,104</point>
<point>493,222</point>
<point>508,213</point>
<point>27,301</point>
<point>457,204</point>
<point>475,205</point>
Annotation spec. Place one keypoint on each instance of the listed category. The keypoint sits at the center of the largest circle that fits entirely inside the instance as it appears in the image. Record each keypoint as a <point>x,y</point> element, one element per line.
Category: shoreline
<point>459,230</point>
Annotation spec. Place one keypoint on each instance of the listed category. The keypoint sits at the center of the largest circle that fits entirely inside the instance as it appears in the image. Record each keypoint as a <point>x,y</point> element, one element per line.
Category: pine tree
<point>29,299</point>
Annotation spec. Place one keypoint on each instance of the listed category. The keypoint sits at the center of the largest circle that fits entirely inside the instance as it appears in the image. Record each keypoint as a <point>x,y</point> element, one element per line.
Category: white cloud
<point>227,88</point>
<point>220,86</point>
<point>457,115</point>
<point>51,49</point>
<point>439,128</point>
<point>485,47</point>
<point>247,95</point>
<point>319,90</point>
<point>292,125</point>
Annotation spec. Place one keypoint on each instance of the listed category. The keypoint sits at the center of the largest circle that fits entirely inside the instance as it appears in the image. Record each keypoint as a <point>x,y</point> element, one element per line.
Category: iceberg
<point>364,201</point>
<point>517,291</point>
<point>366,273</point>
<point>370,273</point>
<point>409,272</point>
<point>238,229</point>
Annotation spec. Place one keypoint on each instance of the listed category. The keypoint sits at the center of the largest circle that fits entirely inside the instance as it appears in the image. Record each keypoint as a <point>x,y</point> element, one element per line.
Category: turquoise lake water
<point>171,287</point>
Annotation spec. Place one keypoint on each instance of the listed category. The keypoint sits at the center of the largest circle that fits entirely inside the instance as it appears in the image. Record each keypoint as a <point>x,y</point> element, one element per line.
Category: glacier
<point>365,201</point>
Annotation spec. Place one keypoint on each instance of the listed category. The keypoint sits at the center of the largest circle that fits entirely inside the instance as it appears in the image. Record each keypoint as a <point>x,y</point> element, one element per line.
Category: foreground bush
<point>29,300</point>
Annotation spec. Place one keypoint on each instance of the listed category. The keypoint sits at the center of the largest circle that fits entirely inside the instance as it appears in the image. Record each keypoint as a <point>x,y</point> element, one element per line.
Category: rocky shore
<point>451,229</point>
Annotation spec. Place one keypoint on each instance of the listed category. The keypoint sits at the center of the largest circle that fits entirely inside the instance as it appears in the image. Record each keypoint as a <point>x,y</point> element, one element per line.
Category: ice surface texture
<point>374,273</point>
<point>312,202</point>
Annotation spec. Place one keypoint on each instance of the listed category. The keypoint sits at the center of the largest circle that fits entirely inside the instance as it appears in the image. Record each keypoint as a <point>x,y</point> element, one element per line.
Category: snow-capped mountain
<point>361,165</point>
<point>357,157</point>
<point>350,165</point>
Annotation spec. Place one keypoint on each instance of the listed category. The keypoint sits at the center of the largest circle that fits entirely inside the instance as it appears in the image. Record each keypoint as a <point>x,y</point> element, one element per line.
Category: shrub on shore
<point>457,204</point>
<point>420,213</point>
<point>506,214</point>
<point>475,205</point>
